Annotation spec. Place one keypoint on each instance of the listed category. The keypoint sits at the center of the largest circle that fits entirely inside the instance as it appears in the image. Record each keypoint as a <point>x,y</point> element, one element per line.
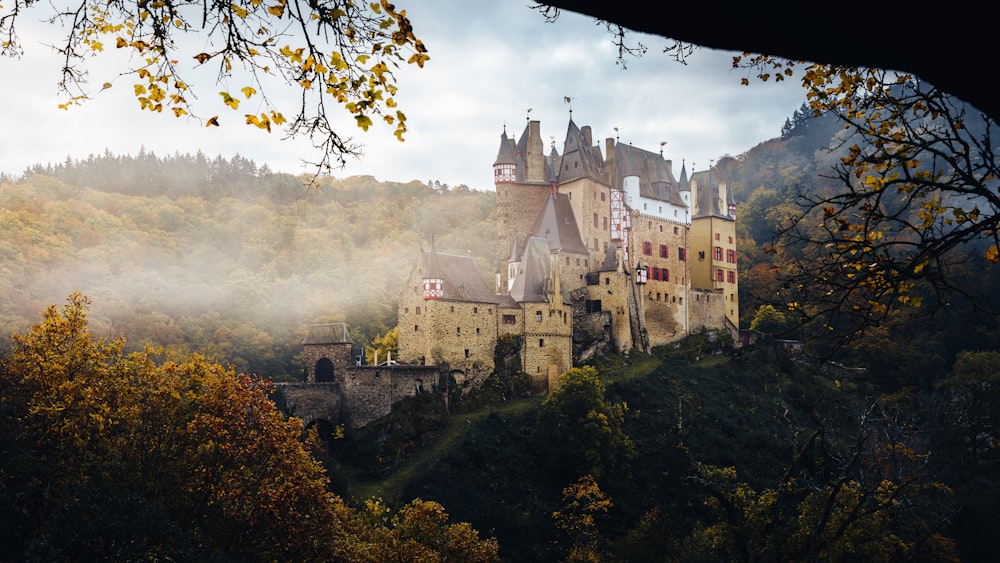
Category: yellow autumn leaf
<point>248,91</point>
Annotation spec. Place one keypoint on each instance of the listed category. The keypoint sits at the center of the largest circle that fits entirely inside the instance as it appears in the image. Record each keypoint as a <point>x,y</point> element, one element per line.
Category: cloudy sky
<point>488,66</point>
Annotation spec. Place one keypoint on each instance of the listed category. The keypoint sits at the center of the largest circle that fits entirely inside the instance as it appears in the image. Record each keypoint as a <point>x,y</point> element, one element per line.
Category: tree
<point>112,456</point>
<point>584,504</point>
<point>915,199</point>
<point>768,320</point>
<point>336,53</point>
<point>383,346</point>
<point>582,430</point>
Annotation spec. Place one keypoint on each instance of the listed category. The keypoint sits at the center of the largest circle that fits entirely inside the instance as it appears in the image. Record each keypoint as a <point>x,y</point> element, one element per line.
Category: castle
<point>594,251</point>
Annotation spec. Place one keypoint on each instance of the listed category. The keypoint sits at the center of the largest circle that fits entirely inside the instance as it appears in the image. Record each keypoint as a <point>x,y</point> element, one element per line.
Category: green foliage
<point>583,430</point>
<point>768,320</point>
<point>383,346</point>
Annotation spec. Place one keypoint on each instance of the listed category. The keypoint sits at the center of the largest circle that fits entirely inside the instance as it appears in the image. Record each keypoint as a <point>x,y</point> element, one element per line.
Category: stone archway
<point>324,370</point>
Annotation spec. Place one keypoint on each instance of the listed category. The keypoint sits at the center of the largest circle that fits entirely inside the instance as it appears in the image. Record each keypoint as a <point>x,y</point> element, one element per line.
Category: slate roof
<point>579,159</point>
<point>556,224</point>
<point>327,333</point>
<point>656,180</point>
<point>533,274</point>
<point>461,277</point>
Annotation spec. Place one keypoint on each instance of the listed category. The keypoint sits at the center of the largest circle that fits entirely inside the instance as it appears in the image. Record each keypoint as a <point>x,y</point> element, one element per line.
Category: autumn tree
<point>112,456</point>
<point>331,52</point>
<point>915,198</point>
<point>584,506</point>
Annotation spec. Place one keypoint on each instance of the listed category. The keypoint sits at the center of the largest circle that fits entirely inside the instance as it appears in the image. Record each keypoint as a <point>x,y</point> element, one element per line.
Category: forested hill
<point>911,348</point>
<point>222,256</point>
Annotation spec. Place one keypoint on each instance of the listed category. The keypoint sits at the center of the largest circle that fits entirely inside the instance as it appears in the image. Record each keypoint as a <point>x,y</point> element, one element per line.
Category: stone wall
<point>368,392</point>
<point>360,395</point>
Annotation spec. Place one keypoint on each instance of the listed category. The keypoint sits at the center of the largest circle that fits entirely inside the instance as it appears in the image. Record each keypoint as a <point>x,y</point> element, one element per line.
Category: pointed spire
<point>683,184</point>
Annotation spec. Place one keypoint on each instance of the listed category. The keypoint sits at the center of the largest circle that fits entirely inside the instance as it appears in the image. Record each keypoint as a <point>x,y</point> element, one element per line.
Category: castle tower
<point>327,351</point>
<point>521,176</point>
<point>713,245</point>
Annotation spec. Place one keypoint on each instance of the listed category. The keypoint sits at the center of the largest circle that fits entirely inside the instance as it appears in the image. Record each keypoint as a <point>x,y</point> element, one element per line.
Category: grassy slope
<point>487,468</point>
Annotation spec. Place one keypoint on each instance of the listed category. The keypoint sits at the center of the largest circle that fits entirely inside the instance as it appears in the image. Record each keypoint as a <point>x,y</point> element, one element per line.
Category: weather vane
<point>616,134</point>
<point>662,144</point>
<point>569,101</point>
<point>527,116</point>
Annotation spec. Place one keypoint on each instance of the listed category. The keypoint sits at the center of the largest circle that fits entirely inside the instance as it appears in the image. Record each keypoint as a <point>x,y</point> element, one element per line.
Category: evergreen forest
<point>123,437</point>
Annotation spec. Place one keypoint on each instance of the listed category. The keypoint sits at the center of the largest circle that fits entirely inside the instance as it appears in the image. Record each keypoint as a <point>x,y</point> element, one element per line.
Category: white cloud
<point>489,64</point>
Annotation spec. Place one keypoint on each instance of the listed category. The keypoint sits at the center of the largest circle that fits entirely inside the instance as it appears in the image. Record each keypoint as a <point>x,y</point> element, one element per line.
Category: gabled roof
<point>708,196</point>
<point>579,159</point>
<point>656,179</point>
<point>327,333</point>
<point>460,275</point>
<point>556,225</point>
<point>531,281</point>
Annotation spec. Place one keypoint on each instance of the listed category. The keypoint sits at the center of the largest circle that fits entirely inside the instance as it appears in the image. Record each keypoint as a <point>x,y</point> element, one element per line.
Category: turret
<point>684,185</point>
<point>505,166</point>
<point>433,281</point>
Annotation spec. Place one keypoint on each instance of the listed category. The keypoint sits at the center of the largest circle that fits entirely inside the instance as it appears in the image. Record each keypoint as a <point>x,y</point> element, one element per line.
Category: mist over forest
<point>220,256</point>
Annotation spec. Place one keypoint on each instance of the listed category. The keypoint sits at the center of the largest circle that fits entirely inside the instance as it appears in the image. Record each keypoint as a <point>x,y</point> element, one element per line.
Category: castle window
<point>680,300</point>
<point>731,276</point>
<point>682,253</point>
<point>541,342</point>
<point>458,330</point>
<point>647,248</point>
<point>719,276</point>
<point>406,310</point>
<point>475,310</point>
<point>607,281</point>
<point>605,247</point>
<point>508,319</point>
<point>701,255</point>
<point>665,274</point>
<point>538,316</point>
<point>586,263</point>
<point>661,228</point>
<point>452,308</point>
<point>577,261</point>
<point>656,273</point>
<point>418,310</point>
<point>602,196</point>
<point>663,251</point>
<point>595,219</point>
<point>657,295</point>
<point>675,228</point>
<point>731,256</point>
<point>717,252</point>
<point>716,236</point>
<point>477,330</point>
<point>596,245</point>
<point>466,352</point>
<point>416,328</point>
<point>730,240</point>
<point>567,260</point>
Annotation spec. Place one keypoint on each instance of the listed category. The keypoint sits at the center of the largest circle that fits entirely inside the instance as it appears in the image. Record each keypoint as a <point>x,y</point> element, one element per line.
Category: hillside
<point>763,431</point>
<point>220,257</point>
